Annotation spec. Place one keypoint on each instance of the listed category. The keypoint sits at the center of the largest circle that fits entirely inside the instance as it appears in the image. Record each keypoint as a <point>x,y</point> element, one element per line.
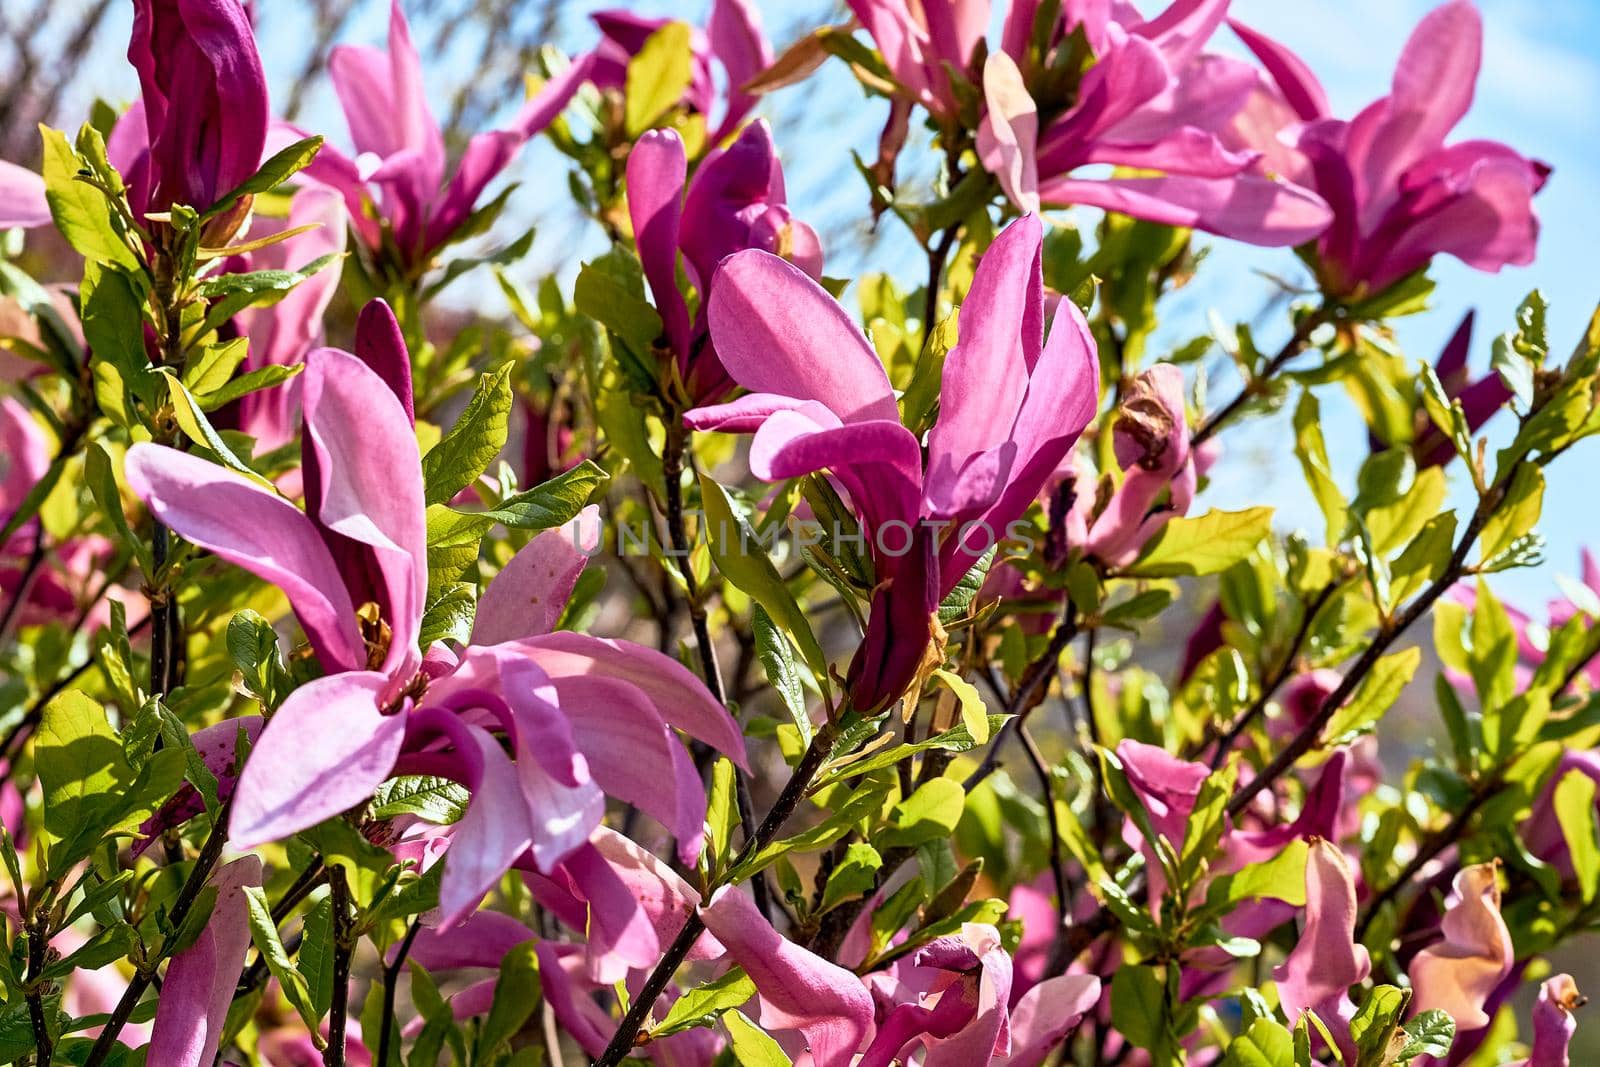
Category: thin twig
<point>38,955</point>
<point>343,948</point>
<point>1291,348</point>
<point>1269,688</point>
<point>1036,675</point>
<point>391,978</point>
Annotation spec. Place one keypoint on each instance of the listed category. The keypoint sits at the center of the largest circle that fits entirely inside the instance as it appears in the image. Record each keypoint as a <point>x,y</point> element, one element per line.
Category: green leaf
<point>1431,1033</point>
<point>974,716</point>
<point>473,442</point>
<point>855,874</point>
<point>195,426</point>
<point>515,995</point>
<point>450,615</point>
<point>1376,1023</point>
<point>931,812</point>
<point>702,1005</point>
<point>722,812</point>
<point>551,504</point>
<point>1312,451</point>
<point>1517,514</point>
<point>658,75</point>
<point>437,800</point>
<point>610,290</point>
<point>273,173</point>
<point>314,961</point>
<point>1138,1005</point>
<point>453,542</point>
<point>1374,696</point>
<point>1207,544</point>
<point>264,932</point>
<point>776,654</point>
<point>743,560</point>
<point>113,325</point>
<point>100,473</point>
<point>865,802</point>
<point>751,1046</point>
<point>1574,806</point>
<point>1266,1043</point>
<point>80,211</point>
<point>1281,878</point>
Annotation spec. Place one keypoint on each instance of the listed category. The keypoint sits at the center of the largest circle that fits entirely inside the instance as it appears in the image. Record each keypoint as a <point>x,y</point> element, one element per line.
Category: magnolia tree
<point>693,667</point>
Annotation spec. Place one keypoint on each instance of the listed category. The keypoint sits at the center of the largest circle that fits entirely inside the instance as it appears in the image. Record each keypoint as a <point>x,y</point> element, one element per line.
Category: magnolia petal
<point>325,751</point>
<point>371,484</point>
<point>1044,1015</point>
<point>799,990</point>
<point>1008,136</point>
<point>1251,209</point>
<point>527,597</point>
<point>22,201</point>
<point>199,983</point>
<point>254,528</point>
<point>678,696</point>
<point>657,169</point>
<point>1294,79</point>
<point>1458,974</point>
<point>769,321</point>
<point>1326,961</point>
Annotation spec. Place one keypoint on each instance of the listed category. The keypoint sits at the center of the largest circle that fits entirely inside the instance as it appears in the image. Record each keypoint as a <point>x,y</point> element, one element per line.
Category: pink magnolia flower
<point>734,201</point>
<point>200,980</point>
<point>732,39</point>
<point>1459,973</point>
<point>1326,961</point>
<point>1152,99</point>
<point>205,107</point>
<point>1151,441</point>
<point>1400,194</point>
<point>1012,407</point>
<point>22,201</point>
<point>383,708</point>
<point>395,186</point>
<point>953,998</point>
<point>1553,1023</point>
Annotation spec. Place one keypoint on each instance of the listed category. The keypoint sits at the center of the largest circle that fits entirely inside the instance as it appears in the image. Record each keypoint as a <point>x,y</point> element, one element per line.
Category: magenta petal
<point>987,1033</point>
<point>254,528</point>
<point>1044,1015</point>
<point>198,988</point>
<point>528,595</point>
<point>677,695</point>
<point>770,321</point>
<point>1299,86</point>
<point>799,990</point>
<point>560,969</point>
<point>381,345</point>
<point>1008,136</point>
<point>1001,332</point>
<point>734,30</point>
<point>1553,1024</point>
<point>494,832</point>
<point>371,484</point>
<point>22,201</point>
<point>744,415</point>
<point>657,168</point>
<point>1255,210</point>
<point>324,751</point>
<point>1458,974</point>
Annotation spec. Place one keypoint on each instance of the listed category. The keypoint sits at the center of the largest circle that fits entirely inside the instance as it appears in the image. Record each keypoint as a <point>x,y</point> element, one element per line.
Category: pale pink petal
<point>481,941</point>
<point>252,527</point>
<point>1045,1014</point>
<point>1251,209</point>
<point>528,595</point>
<point>22,201</point>
<point>1326,961</point>
<point>1457,974</point>
<point>199,983</point>
<point>324,751</point>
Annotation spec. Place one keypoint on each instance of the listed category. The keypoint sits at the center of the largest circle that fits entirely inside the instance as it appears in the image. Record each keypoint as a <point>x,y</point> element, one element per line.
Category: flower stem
<point>344,939</point>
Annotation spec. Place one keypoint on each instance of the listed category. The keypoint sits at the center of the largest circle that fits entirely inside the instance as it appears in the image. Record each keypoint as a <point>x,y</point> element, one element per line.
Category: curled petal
<point>1458,974</point>
<point>799,990</point>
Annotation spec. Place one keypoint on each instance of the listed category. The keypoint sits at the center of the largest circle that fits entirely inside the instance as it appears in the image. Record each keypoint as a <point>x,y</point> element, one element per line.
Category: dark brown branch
<point>391,978</point>
<point>344,944</point>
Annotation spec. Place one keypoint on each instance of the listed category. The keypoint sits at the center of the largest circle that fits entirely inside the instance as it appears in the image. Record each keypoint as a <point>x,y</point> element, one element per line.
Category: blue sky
<point>1538,91</point>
